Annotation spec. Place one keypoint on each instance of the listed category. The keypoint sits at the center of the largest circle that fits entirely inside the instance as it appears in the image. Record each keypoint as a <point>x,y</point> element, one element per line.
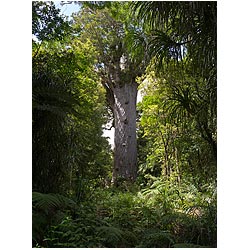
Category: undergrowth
<point>165,214</point>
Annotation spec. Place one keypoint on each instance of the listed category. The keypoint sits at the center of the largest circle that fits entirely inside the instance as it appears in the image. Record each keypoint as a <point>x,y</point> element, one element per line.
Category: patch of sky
<point>67,8</point>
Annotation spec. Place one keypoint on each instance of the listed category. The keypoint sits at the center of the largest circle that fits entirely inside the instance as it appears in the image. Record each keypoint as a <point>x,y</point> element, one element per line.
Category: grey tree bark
<point>125,151</point>
<point>121,89</point>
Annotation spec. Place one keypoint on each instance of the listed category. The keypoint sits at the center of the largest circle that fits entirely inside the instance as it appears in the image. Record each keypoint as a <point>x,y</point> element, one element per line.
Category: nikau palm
<point>185,33</point>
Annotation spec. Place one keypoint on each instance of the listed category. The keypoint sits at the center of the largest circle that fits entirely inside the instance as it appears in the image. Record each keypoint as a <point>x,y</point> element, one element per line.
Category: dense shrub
<point>163,215</point>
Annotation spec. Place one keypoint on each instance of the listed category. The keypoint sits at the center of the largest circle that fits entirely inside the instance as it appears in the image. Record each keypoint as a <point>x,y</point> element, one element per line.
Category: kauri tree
<point>118,71</point>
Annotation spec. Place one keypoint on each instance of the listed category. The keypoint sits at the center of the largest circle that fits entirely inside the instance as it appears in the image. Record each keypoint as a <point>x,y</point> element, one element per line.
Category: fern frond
<point>48,202</point>
<point>157,238</point>
<point>188,245</point>
<point>112,236</point>
<point>111,232</point>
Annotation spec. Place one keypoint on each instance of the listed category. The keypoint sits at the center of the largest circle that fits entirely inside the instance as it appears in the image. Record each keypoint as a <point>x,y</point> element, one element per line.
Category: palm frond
<point>136,42</point>
<point>190,24</point>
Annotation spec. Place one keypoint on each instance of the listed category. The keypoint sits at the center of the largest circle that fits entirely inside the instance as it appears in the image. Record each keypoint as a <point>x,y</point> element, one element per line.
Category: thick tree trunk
<point>125,151</point>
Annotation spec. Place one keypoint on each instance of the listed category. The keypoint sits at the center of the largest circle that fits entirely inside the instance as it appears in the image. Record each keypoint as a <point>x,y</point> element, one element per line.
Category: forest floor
<point>163,215</point>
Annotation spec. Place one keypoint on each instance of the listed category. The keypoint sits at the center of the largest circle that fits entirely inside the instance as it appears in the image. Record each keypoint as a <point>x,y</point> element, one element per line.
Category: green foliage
<point>187,214</point>
<point>49,202</point>
<point>177,131</point>
<point>179,27</point>
<point>156,239</point>
<point>78,232</point>
<point>188,245</point>
<point>68,114</point>
<point>47,210</point>
<point>67,123</point>
<point>163,215</point>
<point>112,31</point>
<point>182,47</point>
<point>88,228</point>
<point>47,23</point>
